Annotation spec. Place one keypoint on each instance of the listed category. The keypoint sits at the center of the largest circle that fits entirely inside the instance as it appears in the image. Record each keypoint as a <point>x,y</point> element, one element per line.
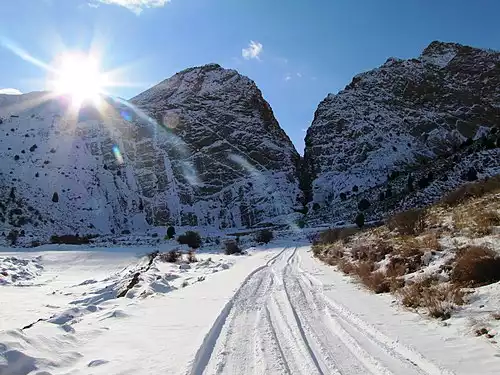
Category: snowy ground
<point>278,311</point>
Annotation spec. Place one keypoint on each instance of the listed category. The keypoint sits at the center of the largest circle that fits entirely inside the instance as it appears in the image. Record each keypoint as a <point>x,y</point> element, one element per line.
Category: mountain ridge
<point>203,148</point>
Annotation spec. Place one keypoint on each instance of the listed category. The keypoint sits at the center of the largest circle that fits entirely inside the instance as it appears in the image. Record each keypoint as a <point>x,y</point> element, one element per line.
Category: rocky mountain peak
<point>201,148</point>
<point>399,117</point>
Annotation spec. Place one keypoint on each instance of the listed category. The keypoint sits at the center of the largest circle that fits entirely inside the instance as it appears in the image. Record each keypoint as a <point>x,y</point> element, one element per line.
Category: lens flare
<point>118,154</point>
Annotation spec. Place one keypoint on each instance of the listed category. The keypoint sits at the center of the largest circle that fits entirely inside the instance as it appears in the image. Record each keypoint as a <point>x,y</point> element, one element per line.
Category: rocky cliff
<point>201,148</point>
<point>401,122</point>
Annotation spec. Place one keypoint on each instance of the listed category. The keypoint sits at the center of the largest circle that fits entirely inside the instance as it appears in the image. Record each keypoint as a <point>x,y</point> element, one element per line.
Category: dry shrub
<point>476,220</point>
<point>484,221</point>
<point>191,258</point>
<point>410,254</point>
<point>496,316</point>
<point>461,220</point>
<point>475,266</point>
<point>439,300</point>
<point>374,252</point>
<point>395,269</point>
<point>376,281</point>
<point>364,269</point>
<point>431,241</point>
<point>317,250</point>
<point>346,266</point>
<point>411,222</point>
<point>333,254</point>
<point>433,218</point>
<point>411,295</point>
<point>336,234</point>
<point>171,256</point>
<point>472,190</point>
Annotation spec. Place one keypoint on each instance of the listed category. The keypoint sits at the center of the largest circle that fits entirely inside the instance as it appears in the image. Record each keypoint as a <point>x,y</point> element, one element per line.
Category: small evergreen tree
<point>55,198</point>
<point>364,204</point>
<point>190,238</point>
<point>360,220</point>
<point>471,175</point>
<point>170,232</point>
<point>264,236</point>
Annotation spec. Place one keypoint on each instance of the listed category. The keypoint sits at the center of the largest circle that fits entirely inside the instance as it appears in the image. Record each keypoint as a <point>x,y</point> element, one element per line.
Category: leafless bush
<point>374,252</point>
<point>475,266</point>
<point>171,256</point>
<point>376,281</point>
<point>431,242</point>
<point>411,222</point>
<point>191,258</point>
<point>346,266</point>
<point>336,234</point>
<point>439,300</point>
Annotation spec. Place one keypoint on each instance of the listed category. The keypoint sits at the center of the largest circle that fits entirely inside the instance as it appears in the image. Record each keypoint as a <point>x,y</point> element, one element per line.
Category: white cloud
<point>136,6</point>
<point>288,77</point>
<point>253,51</point>
<point>10,92</point>
<point>299,75</point>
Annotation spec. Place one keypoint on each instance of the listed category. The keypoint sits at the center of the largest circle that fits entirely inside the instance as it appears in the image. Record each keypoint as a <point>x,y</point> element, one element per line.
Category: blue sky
<point>303,50</point>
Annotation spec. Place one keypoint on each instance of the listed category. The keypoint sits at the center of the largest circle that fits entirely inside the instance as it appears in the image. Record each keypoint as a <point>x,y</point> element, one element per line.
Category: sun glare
<point>78,75</point>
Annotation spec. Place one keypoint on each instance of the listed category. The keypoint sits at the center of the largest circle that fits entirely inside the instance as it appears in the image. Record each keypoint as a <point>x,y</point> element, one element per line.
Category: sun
<point>78,75</point>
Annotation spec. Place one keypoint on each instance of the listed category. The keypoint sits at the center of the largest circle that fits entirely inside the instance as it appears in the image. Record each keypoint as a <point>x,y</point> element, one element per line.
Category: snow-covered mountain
<point>203,149</point>
<point>405,118</point>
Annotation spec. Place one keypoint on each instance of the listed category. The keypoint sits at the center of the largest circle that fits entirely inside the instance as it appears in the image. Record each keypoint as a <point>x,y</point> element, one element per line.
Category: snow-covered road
<point>277,311</point>
<point>282,322</point>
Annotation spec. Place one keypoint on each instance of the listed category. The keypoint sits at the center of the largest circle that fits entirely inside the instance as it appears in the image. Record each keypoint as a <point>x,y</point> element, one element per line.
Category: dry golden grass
<point>476,266</point>
<point>477,218</point>
<point>472,190</point>
<point>485,221</point>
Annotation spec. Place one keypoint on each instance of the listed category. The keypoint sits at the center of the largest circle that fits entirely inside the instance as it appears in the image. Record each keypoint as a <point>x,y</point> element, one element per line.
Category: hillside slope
<point>399,119</point>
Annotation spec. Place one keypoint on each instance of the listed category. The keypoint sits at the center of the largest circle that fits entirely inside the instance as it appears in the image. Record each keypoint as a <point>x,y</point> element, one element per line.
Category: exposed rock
<point>403,117</point>
<point>201,148</point>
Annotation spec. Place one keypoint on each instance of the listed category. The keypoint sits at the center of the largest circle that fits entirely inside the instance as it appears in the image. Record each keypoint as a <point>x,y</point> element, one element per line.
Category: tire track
<point>280,322</point>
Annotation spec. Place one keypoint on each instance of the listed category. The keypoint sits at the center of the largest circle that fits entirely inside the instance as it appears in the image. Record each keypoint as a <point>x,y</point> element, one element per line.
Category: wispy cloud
<point>290,76</point>
<point>10,91</point>
<point>136,6</point>
<point>253,51</point>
